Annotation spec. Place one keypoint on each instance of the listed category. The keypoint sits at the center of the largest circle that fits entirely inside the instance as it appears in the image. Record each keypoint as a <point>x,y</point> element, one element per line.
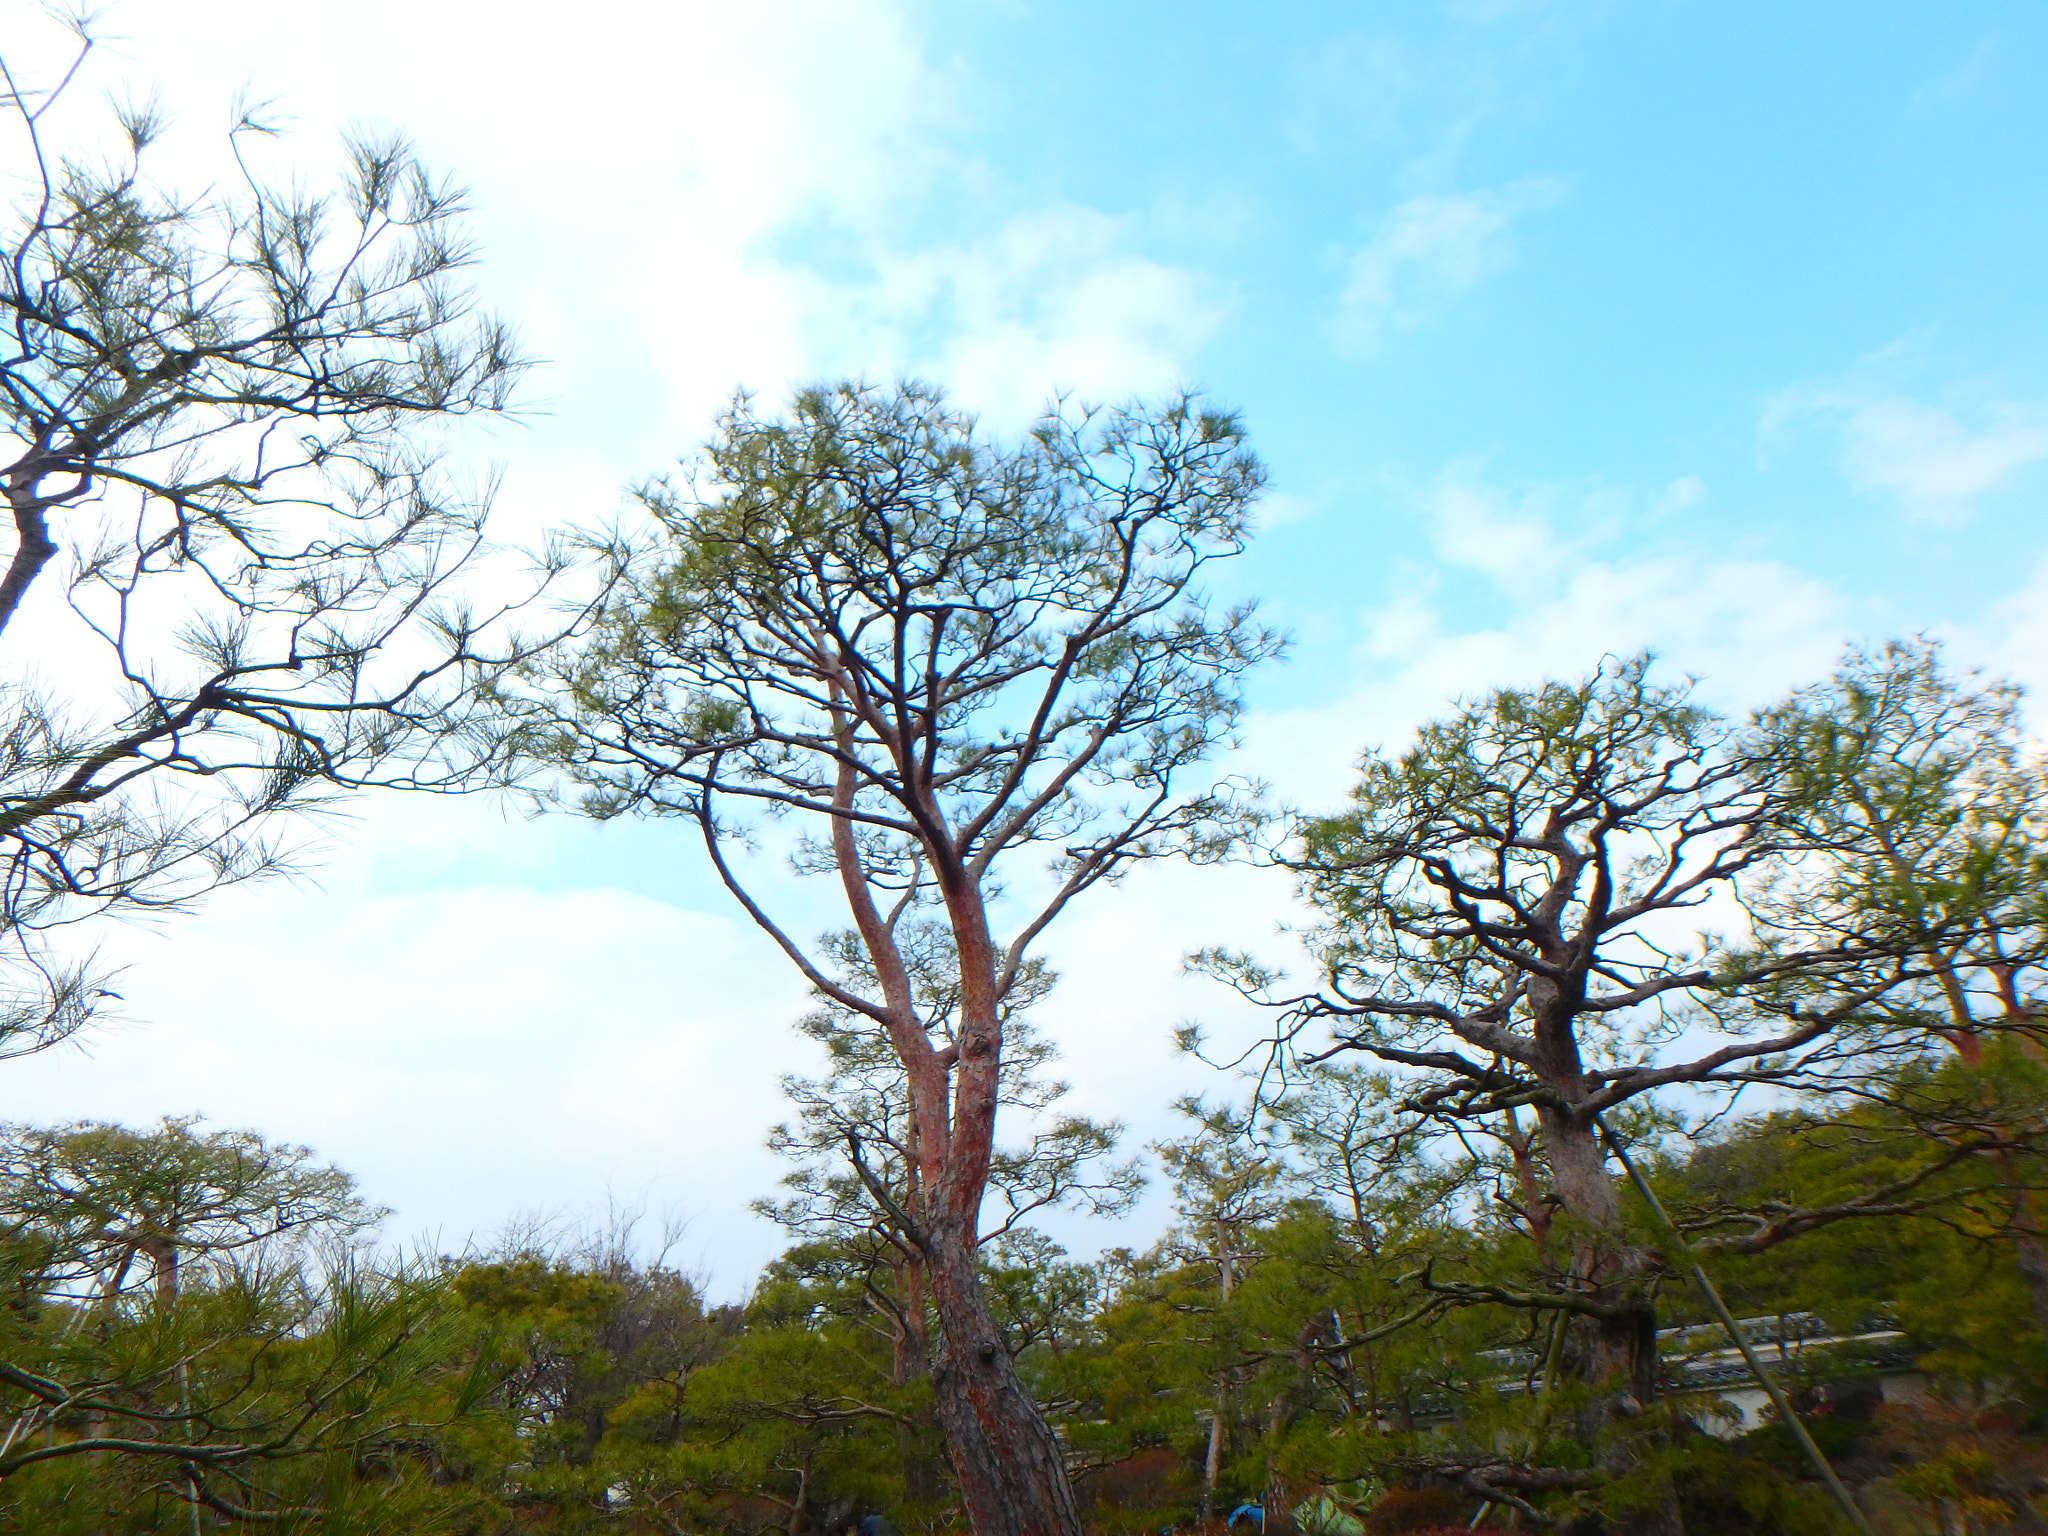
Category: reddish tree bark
<point>942,655</point>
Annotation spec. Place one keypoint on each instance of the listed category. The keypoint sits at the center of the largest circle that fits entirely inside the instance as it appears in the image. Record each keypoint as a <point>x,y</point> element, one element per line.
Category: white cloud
<point>469,1052</point>
<point>670,201</point>
<point>1931,461</point>
<point>1531,534</point>
<point>674,201</point>
<point>1748,629</point>
<point>1935,461</point>
<point>2012,641</point>
<point>1123,991</point>
<point>1559,600</point>
<point>1428,251</point>
<point>1482,528</point>
<point>1056,298</point>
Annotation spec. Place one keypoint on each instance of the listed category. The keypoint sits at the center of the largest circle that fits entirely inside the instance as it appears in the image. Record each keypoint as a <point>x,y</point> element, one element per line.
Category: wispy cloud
<point>1541,580</point>
<point>1058,297</point>
<point>1935,461</point>
<point>1531,534</point>
<point>741,196</point>
<point>853,239</point>
<point>1429,250</point>
<point>2013,636</point>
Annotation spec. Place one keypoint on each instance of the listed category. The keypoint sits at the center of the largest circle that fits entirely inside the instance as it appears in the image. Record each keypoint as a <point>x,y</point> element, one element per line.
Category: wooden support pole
<point>1763,1377</point>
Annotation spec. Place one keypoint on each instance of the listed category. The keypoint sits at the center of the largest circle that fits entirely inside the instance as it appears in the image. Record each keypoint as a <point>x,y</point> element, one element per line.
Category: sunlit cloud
<point>1055,299</point>
<point>754,196</point>
<point>1568,580</point>
<point>1427,252</point>
<point>1935,461</point>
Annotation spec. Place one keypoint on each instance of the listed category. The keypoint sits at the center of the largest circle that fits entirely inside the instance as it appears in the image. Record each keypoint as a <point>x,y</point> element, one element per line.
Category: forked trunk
<point>1620,1351</point>
<point>1012,1475</point>
<point>1008,1462</point>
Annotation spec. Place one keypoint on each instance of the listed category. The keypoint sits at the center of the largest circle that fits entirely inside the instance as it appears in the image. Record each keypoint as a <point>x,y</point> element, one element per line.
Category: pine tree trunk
<point>1620,1363</point>
<point>1273,1498</point>
<point>1212,1462</point>
<point>1012,1474</point>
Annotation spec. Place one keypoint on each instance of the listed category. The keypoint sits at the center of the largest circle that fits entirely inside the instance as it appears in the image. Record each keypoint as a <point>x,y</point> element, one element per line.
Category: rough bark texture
<point>1007,1461</point>
<point>1621,1361</point>
<point>1620,1348</point>
<point>1012,1473</point>
<point>1013,1478</point>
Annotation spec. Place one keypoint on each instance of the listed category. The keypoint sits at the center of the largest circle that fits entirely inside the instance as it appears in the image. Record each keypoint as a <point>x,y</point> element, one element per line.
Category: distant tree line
<point>1307,1337</point>
<point>1375,1311</point>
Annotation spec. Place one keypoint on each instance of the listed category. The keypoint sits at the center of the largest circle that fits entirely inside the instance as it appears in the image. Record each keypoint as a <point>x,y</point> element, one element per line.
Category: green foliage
<point>100,1197</point>
<point>1732,1491</point>
<point>967,584</point>
<point>1873,1274</point>
<point>1391,1291</point>
<point>217,424</point>
<point>579,1389</point>
<point>1933,805</point>
<point>945,655</point>
<point>229,1366</point>
<point>317,1401</point>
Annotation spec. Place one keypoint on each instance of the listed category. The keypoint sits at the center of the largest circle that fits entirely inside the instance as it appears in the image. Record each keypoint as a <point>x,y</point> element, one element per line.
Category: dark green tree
<point>1504,924</point>
<point>600,1352</point>
<point>168,1346</point>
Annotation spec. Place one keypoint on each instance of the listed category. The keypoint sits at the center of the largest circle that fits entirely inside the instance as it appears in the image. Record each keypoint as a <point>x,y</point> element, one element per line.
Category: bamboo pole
<point>1763,1377</point>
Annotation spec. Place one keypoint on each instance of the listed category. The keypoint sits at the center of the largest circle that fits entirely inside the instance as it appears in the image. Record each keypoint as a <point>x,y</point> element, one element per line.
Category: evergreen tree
<point>949,658</point>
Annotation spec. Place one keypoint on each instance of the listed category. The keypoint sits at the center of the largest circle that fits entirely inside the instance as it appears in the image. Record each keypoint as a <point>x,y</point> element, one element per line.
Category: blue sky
<point>1786,252</point>
<point>1566,327</point>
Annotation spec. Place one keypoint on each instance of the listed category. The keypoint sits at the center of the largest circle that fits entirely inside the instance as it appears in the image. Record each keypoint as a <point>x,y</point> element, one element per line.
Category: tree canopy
<point>236,580</point>
<point>944,655</point>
